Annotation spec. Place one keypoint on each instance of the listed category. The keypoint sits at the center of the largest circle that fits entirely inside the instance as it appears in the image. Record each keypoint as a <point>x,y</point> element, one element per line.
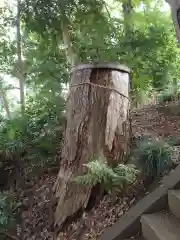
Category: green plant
<point>7,206</point>
<point>173,140</point>
<point>154,157</point>
<point>169,94</point>
<point>35,137</point>
<point>98,172</point>
<point>165,96</point>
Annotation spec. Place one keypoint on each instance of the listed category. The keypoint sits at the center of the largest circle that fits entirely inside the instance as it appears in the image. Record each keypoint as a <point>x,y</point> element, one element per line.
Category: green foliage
<point>154,157</point>
<point>7,213</point>
<point>173,140</point>
<point>165,96</point>
<point>98,172</point>
<point>7,44</point>
<point>150,49</point>
<point>152,52</point>
<point>169,94</point>
<point>35,137</point>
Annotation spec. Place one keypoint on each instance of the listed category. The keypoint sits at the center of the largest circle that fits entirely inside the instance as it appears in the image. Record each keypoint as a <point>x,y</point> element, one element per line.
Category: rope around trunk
<point>100,86</point>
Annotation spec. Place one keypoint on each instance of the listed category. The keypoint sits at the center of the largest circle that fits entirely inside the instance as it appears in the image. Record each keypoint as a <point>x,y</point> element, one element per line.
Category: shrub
<point>98,172</point>
<point>34,141</point>
<point>154,157</point>
<point>168,95</point>
<point>7,206</point>
<point>165,96</point>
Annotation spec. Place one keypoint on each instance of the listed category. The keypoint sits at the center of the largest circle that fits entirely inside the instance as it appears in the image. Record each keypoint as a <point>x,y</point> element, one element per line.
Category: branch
<point>107,10</point>
<point>70,53</point>
<point>109,15</point>
<point>11,88</point>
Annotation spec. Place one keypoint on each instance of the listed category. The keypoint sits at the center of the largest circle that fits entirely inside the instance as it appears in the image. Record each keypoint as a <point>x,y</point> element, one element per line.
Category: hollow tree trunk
<point>97,125</point>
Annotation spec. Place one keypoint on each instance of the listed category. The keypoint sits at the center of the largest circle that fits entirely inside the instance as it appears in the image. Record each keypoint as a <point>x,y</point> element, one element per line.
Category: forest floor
<point>37,218</point>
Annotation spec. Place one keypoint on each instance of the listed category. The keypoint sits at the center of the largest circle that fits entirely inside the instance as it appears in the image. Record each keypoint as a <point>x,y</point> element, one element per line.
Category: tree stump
<point>175,12</point>
<point>97,125</point>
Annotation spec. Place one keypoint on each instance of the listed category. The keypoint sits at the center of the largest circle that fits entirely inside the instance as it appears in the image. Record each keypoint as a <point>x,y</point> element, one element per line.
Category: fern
<point>98,172</point>
<point>127,171</point>
<point>154,157</point>
<point>165,97</point>
<point>7,204</point>
<point>168,95</point>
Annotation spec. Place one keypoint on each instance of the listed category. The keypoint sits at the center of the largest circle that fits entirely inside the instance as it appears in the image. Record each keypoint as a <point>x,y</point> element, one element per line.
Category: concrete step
<point>174,202</point>
<point>160,226</point>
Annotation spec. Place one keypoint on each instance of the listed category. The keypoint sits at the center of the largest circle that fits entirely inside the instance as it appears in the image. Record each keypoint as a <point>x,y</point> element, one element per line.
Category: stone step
<point>160,226</point>
<point>174,202</point>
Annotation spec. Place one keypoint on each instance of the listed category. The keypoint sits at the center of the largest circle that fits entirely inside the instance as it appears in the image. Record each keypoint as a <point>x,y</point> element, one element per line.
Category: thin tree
<point>19,60</point>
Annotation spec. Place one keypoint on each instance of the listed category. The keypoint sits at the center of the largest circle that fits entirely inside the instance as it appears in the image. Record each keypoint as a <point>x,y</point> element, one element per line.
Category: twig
<point>100,86</point>
<point>9,235</point>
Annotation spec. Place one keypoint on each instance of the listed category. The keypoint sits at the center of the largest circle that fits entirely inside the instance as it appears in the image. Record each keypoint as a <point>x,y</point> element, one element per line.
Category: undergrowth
<point>28,144</point>
<point>168,95</point>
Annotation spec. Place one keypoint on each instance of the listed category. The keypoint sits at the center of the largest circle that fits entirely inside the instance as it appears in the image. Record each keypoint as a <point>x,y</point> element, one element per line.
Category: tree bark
<point>175,12</point>
<point>5,103</point>
<point>20,72</point>
<point>127,13</point>
<point>97,125</point>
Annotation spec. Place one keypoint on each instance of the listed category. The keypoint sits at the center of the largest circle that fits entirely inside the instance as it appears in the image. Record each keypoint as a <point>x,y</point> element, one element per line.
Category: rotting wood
<point>97,125</point>
<point>175,12</point>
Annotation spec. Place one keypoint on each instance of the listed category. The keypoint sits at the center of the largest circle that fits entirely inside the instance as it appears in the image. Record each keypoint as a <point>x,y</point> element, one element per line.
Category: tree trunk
<point>97,125</point>
<point>20,72</point>
<point>127,13</point>
<point>175,12</point>
<point>70,54</point>
<point>4,99</point>
<point>5,103</point>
